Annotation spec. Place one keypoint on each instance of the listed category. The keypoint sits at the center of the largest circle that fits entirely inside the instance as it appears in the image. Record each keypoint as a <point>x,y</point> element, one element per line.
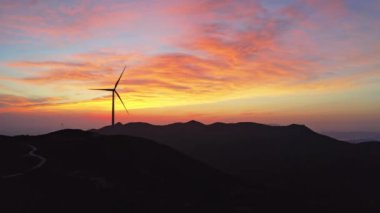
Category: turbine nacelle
<point>111,90</point>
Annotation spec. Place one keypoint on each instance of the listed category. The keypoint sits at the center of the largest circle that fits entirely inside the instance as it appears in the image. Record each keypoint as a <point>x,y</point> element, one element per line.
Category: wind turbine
<point>113,97</point>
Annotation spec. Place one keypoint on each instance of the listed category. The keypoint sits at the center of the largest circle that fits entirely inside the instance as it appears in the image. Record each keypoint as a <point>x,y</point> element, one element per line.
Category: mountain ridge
<point>294,161</point>
<point>188,167</point>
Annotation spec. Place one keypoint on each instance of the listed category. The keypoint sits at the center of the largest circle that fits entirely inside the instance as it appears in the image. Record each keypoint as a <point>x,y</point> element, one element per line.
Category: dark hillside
<point>86,172</point>
<point>292,163</point>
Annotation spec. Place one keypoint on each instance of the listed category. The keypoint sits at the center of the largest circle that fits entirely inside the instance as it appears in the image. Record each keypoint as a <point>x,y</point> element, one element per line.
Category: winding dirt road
<point>32,153</point>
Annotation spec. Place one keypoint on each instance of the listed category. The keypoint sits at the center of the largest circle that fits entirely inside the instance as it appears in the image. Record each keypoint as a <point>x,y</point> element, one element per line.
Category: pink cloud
<point>229,48</point>
<point>238,46</point>
<point>332,8</point>
<point>81,20</point>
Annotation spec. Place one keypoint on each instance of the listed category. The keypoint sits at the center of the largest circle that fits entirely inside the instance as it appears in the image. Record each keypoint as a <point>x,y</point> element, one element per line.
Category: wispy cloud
<point>14,101</point>
<point>228,52</point>
<point>61,21</point>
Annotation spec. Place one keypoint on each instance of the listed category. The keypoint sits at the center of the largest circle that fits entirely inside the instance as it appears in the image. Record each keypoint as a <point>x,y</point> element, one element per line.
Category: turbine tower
<point>113,97</point>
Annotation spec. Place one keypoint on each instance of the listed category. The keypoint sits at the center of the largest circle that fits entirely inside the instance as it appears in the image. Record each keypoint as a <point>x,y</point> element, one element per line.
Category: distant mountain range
<point>354,137</point>
<point>188,167</point>
<point>235,148</point>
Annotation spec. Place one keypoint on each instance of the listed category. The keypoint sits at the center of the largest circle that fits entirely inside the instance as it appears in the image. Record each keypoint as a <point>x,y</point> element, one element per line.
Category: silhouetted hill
<point>68,133</point>
<point>86,172</point>
<point>229,146</point>
<point>295,165</point>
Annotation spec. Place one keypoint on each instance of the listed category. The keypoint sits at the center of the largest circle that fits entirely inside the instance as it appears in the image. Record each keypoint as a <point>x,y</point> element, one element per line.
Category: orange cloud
<point>13,101</point>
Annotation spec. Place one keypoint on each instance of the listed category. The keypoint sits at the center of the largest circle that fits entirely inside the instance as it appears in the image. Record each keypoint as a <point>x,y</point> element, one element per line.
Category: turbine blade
<point>103,89</point>
<point>117,82</point>
<point>121,101</point>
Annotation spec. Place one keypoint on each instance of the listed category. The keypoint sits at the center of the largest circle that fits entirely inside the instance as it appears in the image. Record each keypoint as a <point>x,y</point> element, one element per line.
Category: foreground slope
<point>293,164</point>
<point>86,172</point>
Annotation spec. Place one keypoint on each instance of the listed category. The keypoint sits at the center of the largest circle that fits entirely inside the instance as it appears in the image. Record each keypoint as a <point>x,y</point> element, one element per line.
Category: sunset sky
<point>312,62</point>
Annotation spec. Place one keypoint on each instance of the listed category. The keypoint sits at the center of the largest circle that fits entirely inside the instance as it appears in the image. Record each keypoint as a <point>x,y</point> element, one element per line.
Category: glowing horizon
<point>312,62</point>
